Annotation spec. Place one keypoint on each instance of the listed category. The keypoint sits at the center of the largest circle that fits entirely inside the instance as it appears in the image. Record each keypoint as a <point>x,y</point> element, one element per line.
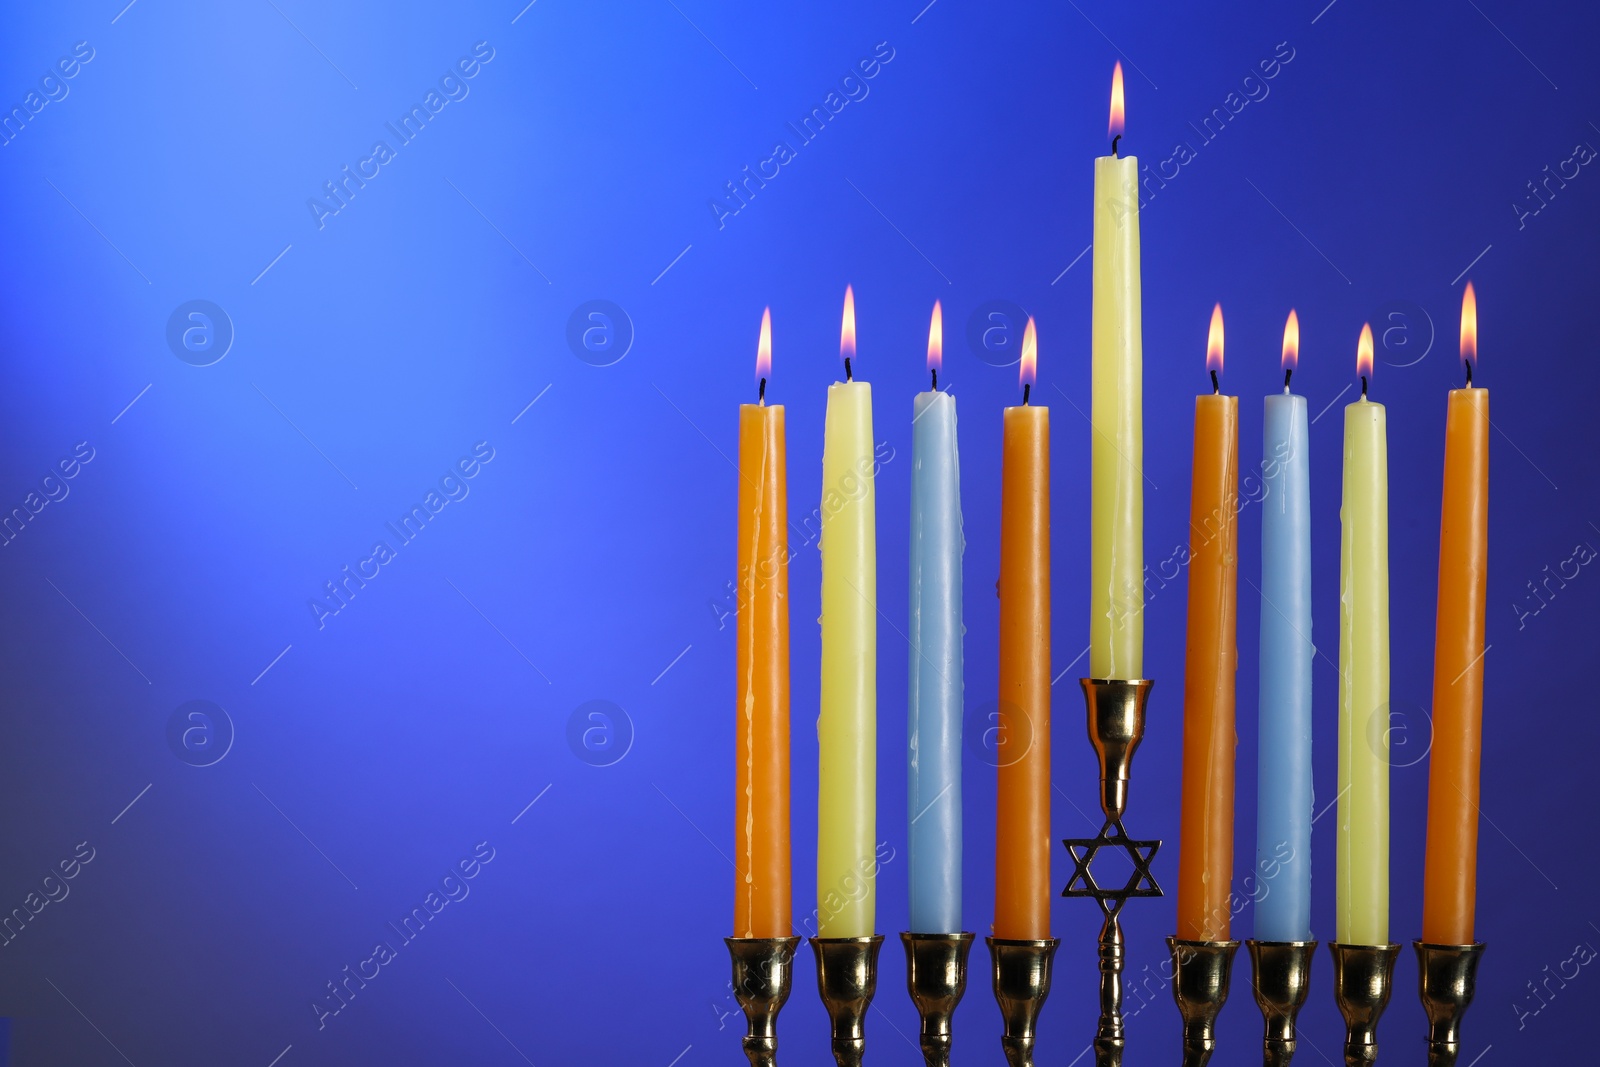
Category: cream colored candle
<point>1363,840</point>
<point>1116,522</point>
<point>847,728</point>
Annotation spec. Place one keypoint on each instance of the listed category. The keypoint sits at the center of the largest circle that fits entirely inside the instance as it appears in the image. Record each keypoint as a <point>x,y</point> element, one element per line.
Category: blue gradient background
<point>593,553</point>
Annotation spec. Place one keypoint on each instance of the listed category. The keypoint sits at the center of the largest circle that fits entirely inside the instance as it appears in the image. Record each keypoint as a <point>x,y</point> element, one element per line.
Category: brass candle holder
<point>847,978</point>
<point>1021,984</point>
<point>763,974</point>
<point>1116,726</point>
<point>936,978</point>
<point>1448,977</point>
<point>1200,974</point>
<point>1362,979</point>
<point>1280,979</point>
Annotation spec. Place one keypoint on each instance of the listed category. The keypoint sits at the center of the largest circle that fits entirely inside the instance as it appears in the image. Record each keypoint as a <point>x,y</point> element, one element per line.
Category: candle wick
<point>1363,387</point>
<point>1216,387</point>
<point>935,372</point>
<point>848,376</point>
<point>1114,141</point>
<point>761,392</point>
<point>1026,388</point>
<point>1288,372</point>
<point>1468,364</point>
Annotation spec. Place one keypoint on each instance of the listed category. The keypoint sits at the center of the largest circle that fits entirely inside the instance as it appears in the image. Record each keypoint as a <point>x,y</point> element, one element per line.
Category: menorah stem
<point>1108,1037</point>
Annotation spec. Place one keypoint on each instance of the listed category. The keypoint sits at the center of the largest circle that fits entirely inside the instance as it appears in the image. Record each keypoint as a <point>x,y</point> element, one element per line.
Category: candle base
<point>1448,977</point>
<point>847,979</point>
<point>1363,977</point>
<point>1200,974</point>
<point>763,973</point>
<point>936,978</point>
<point>1021,984</point>
<point>1280,979</point>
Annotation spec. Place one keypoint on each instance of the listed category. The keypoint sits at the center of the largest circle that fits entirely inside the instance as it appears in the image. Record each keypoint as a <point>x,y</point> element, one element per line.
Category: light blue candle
<point>934,731</point>
<point>1283,805</point>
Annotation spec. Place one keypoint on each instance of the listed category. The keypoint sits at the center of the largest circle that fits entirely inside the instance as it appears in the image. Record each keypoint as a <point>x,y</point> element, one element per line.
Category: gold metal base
<point>1021,984</point>
<point>1280,979</point>
<point>936,977</point>
<point>1448,976</point>
<point>847,978</point>
<point>1200,974</point>
<point>763,973</point>
<point>1363,977</point>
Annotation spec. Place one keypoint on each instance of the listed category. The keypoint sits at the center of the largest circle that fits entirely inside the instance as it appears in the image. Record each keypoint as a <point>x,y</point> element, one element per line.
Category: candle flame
<point>1028,371</point>
<point>1469,325</point>
<point>1291,342</point>
<point>1214,341</point>
<point>936,338</point>
<point>1117,118</point>
<point>764,346</point>
<point>847,327</point>
<point>1364,352</point>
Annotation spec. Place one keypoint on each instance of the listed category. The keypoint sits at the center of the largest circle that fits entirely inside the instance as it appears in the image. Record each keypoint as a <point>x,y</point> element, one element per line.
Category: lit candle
<point>847,727</point>
<point>1283,804</point>
<point>1450,879</point>
<point>761,806</point>
<point>1362,891</point>
<point>933,757</point>
<point>1022,891</point>
<point>1205,843</point>
<point>1116,524</point>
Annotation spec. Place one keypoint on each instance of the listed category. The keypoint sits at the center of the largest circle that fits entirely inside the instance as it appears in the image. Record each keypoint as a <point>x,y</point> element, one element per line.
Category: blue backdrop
<point>243,345</point>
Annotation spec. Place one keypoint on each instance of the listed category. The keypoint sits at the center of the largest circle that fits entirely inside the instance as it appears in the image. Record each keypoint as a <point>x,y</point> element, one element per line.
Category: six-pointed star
<point>1141,883</point>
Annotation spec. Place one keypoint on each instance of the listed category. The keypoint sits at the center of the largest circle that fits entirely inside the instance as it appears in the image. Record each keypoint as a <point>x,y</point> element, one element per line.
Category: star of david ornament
<point>1141,882</point>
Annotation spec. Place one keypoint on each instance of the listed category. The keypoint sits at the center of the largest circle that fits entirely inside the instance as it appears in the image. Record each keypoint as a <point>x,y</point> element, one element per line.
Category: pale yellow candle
<point>1363,838</point>
<point>1116,522</point>
<point>847,728</point>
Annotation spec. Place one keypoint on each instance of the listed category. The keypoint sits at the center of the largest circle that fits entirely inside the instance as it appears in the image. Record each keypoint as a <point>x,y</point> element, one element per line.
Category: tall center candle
<point>1205,844</point>
<point>1116,516</point>
<point>847,726</point>
<point>762,886</point>
<point>1283,793</point>
<point>1022,891</point>
<point>935,632</point>
<point>1362,890</point>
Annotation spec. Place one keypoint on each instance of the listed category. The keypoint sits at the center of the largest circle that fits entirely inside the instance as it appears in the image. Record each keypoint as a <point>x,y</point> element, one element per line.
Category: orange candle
<point>1450,877</point>
<point>761,860</point>
<point>1022,890</point>
<point>1205,843</point>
